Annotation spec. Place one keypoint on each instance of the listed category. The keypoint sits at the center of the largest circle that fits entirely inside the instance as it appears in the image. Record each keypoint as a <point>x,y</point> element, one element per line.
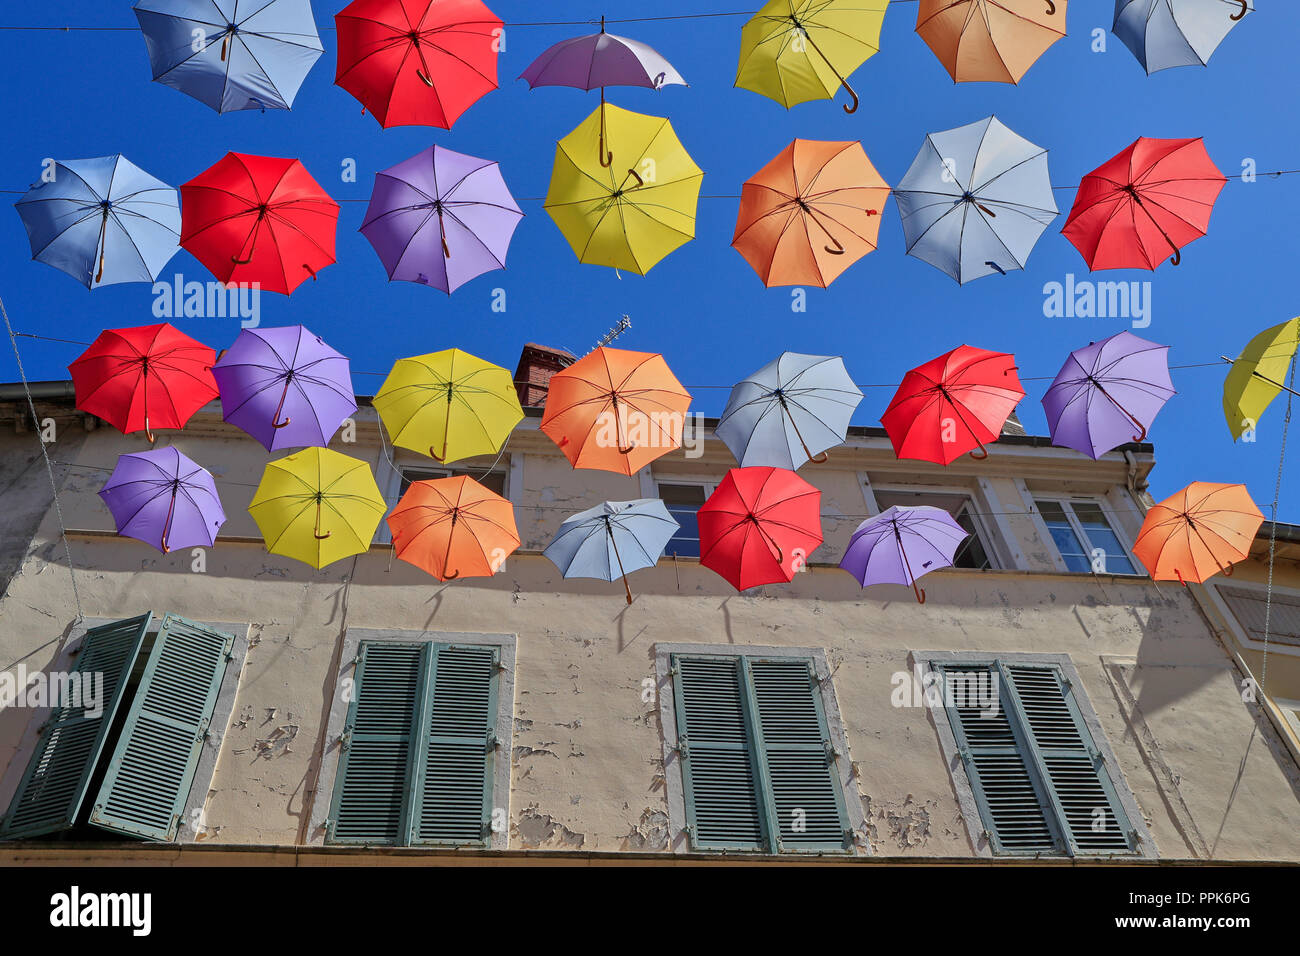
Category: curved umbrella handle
<point>1051,8</point>
<point>275,424</point>
<point>837,249</point>
<point>310,271</point>
<point>225,44</point>
<point>628,450</point>
<point>1245,9</point>
<point>449,575</point>
<point>424,78</point>
<point>241,262</point>
<point>148,432</point>
<point>316,530</point>
<point>1177,257</point>
<point>984,453</point>
<point>1180,577</point>
<point>848,89</point>
<point>322,537</point>
<point>919,592</point>
<point>434,455</point>
<point>635,175</point>
<point>825,457</point>
<point>1143,436</point>
<point>1227,572</point>
<point>986,210</point>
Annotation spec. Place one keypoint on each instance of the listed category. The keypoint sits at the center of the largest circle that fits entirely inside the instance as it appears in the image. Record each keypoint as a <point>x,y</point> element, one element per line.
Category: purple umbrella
<point>600,60</point>
<point>1108,394</point>
<point>285,387</point>
<point>163,499</point>
<point>441,218</point>
<point>900,544</point>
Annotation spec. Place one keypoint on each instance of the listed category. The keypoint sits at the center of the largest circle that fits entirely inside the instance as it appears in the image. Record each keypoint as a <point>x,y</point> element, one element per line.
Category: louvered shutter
<point>1010,799</point>
<point>372,791</point>
<point>454,797</point>
<point>54,784</point>
<point>1081,791</point>
<point>152,767</point>
<point>796,756</point>
<point>715,742</point>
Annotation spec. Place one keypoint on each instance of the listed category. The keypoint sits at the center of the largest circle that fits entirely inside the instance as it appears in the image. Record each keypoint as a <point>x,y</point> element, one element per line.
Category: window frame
<point>330,750</point>
<point>1066,504</point>
<point>1240,632</point>
<point>707,485</point>
<point>391,490</point>
<point>981,840</point>
<point>982,529</point>
<point>679,840</point>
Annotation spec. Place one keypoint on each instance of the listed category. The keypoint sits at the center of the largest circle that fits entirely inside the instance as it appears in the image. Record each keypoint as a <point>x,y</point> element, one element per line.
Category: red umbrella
<point>759,526</point>
<point>417,62</point>
<point>259,219</point>
<point>1149,201</point>
<point>952,404</point>
<point>143,378</point>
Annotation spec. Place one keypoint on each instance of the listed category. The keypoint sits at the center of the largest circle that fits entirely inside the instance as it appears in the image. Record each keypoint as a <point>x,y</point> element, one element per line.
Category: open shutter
<point>152,768</point>
<point>1010,800</point>
<point>52,788</point>
<point>1082,793</point>
<point>454,793</point>
<point>796,756</point>
<point>372,791</point>
<point>716,746</point>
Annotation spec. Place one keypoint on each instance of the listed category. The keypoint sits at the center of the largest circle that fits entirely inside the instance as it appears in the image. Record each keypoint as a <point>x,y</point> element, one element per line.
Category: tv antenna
<point>622,326</point>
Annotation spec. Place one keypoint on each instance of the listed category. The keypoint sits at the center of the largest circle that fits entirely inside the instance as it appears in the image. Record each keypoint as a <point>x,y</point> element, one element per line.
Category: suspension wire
<point>1272,535</point>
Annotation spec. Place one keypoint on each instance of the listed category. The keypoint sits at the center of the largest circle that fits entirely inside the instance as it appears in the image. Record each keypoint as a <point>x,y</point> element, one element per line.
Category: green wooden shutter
<point>1081,791</point>
<point>54,784</point>
<point>797,757</point>
<point>152,767</point>
<point>715,740</point>
<point>454,796</point>
<point>1010,799</point>
<point>372,792</point>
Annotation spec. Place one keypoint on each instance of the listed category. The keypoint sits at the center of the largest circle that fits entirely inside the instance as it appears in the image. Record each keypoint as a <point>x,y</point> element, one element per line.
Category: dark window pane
<point>683,501</point>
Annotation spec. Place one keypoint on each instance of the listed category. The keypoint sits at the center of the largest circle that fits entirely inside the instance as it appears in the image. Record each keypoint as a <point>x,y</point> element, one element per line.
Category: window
<point>683,501</point>
<point>419,746</point>
<point>136,747</point>
<point>758,768</point>
<point>494,481</point>
<point>1080,531</point>
<point>1041,782</point>
<point>1248,606</point>
<point>973,552</point>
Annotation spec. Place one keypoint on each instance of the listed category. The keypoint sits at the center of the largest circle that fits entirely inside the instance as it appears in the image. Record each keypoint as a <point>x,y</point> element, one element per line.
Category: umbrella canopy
<point>975,200</point>
<point>449,405</point>
<point>285,387</point>
<point>1260,374</point>
<point>952,404</point>
<point>900,544</point>
<point>1198,532</point>
<point>759,526</point>
<point>418,62</point>
<point>1143,204</point>
<point>994,41</point>
<point>615,410</point>
<point>231,54</point>
<point>612,540</point>
<point>142,378</point>
<point>810,213</point>
<point>793,51</point>
<point>441,218</point>
<point>317,506</point>
<point>631,214</point>
<point>453,528</point>
<point>102,221</point>
<point>162,498</point>
<point>1166,33</point>
<point>259,219</point>
<point>1108,393</point>
<point>789,411</point>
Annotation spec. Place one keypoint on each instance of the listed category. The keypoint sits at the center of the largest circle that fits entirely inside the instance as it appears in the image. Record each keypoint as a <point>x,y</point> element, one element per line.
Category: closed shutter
<point>371,795</point>
<point>1082,792</point>
<point>797,756</point>
<point>714,737</point>
<point>1010,800</point>
<point>455,798</point>
<point>52,788</point>
<point>152,767</point>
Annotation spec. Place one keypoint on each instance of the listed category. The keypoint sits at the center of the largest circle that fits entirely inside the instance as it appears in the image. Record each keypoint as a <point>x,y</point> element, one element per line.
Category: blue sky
<point>80,94</point>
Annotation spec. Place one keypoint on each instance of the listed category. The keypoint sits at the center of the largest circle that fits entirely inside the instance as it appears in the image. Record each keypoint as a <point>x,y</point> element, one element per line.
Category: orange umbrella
<point>453,528</point>
<point>1200,531</point>
<point>996,41</point>
<point>615,410</point>
<point>810,213</point>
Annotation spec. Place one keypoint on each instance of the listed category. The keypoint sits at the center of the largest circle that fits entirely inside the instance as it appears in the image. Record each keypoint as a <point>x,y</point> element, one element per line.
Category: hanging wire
<point>1272,534</point>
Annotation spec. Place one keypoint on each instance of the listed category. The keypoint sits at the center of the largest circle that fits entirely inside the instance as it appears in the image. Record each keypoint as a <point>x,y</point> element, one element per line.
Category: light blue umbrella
<point>1166,33</point>
<point>102,221</point>
<point>975,200</point>
<point>612,539</point>
<point>789,411</point>
<point>231,54</point>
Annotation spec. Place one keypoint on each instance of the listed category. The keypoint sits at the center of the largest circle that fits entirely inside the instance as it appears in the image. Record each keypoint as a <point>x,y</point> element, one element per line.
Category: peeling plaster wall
<point>587,752</point>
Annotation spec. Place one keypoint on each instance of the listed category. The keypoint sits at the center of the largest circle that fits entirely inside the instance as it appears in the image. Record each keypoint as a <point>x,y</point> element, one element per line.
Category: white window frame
<point>982,527</point>
<point>1239,632</point>
<point>655,480</point>
<point>392,485</point>
<point>1066,503</point>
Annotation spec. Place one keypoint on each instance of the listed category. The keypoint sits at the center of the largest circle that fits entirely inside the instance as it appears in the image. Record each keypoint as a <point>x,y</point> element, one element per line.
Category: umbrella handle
<point>626,451</point>
<point>316,530</point>
<point>434,455</point>
<point>148,432</point>
<point>225,43</point>
<point>822,459</point>
<point>449,575</point>
<point>1226,572</point>
<point>1245,9</point>
<point>1051,8</point>
<point>837,250</point>
<point>1143,436</point>
<point>848,89</point>
<point>310,271</point>
<point>635,175</point>
<point>283,424</point>
<point>986,210</point>
<point>990,262</point>
<point>424,78</point>
<point>1177,258</point>
<point>606,157</point>
<point>241,262</point>
<point>1180,577</point>
<point>919,592</point>
<point>984,453</point>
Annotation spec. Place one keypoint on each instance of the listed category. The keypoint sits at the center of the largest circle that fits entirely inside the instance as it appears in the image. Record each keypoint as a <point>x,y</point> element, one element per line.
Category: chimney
<point>537,363</point>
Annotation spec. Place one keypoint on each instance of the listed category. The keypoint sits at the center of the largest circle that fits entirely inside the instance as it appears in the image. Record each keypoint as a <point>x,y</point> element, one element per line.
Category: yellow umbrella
<point>449,405</point>
<point>634,212</point>
<point>794,51</point>
<point>1258,375</point>
<point>317,506</point>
